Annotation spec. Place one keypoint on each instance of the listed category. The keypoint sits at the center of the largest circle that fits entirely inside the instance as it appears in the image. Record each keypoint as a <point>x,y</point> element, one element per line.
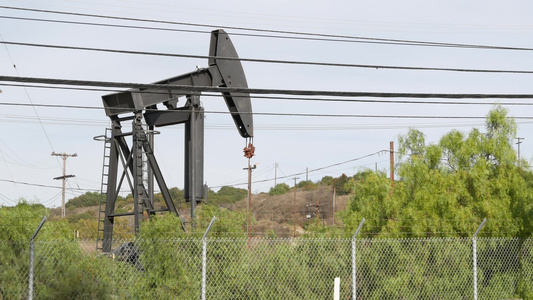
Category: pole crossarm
<point>64,177</point>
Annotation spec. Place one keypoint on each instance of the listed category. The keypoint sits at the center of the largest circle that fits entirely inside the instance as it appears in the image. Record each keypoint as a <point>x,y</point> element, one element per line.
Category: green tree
<point>446,189</point>
<point>326,180</point>
<point>85,200</point>
<point>307,185</point>
<point>228,194</point>
<point>339,184</point>
<point>17,225</point>
<point>279,189</point>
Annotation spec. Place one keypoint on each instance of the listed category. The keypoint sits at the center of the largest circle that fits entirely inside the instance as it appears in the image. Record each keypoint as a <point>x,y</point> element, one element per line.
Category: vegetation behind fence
<point>270,268</point>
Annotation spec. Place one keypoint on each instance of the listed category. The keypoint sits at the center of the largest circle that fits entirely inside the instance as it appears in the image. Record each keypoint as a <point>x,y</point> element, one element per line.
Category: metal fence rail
<point>270,268</point>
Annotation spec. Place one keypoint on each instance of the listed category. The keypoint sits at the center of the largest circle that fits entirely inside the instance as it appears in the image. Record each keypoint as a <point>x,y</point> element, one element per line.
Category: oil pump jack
<point>141,107</point>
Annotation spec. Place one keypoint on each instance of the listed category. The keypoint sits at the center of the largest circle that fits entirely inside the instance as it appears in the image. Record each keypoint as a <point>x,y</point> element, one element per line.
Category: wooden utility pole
<point>317,211</point>
<point>249,206</point>
<point>518,143</point>
<point>64,178</point>
<point>275,174</point>
<point>334,203</point>
<point>392,163</point>
<point>294,209</point>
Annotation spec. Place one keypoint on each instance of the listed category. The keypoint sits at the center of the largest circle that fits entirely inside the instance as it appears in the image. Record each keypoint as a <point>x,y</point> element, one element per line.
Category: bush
<point>326,180</point>
<point>85,200</point>
<point>279,189</point>
<point>75,218</point>
<point>339,184</point>
<point>307,185</point>
<point>228,194</point>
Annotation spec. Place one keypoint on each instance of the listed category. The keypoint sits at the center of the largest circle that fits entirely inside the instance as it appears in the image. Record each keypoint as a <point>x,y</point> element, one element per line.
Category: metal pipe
<point>32,250</point>
<point>474,256</point>
<point>204,258</point>
<point>354,282</point>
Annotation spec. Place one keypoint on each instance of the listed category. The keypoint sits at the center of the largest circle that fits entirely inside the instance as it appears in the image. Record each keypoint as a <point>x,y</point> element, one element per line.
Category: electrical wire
<point>343,40</point>
<point>31,101</point>
<point>286,114</point>
<point>33,107</point>
<point>314,36</point>
<point>310,171</point>
<point>271,61</point>
<point>283,177</point>
<point>281,98</point>
<point>16,159</point>
<point>6,199</point>
<point>27,94</point>
<point>47,186</point>
<point>9,171</point>
<point>50,200</point>
<point>215,187</point>
<point>186,89</point>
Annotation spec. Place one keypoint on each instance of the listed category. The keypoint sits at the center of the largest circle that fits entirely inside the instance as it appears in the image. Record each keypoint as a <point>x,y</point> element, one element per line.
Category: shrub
<point>279,189</point>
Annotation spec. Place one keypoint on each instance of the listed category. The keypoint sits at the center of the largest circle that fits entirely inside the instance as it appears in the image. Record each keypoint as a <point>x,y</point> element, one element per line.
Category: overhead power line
<point>272,98</point>
<point>312,170</point>
<point>278,113</point>
<point>265,180</point>
<point>188,89</point>
<point>46,186</point>
<point>293,34</point>
<point>273,61</point>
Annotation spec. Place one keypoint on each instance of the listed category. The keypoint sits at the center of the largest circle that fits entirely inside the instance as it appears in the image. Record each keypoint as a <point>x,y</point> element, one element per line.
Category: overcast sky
<point>294,142</point>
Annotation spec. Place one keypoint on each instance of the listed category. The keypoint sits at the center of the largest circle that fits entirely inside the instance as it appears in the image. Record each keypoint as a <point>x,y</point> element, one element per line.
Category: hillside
<point>273,214</point>
<point>276,213</point>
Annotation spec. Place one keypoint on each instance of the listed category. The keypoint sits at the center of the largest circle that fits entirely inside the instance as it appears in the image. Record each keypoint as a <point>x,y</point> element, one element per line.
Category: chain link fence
<point>270,268</point>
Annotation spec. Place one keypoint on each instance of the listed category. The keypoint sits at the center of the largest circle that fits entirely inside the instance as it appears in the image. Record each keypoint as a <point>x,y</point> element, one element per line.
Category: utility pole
<point>294,209</point>
<point>392,163</point>
<point>317,211</point>
<point>334,200</point>
<point>249,153</point>
<point>275,174</point>
<point>306,174</point>
<point>64,178</point>
<point>518,143</point>
<point>249,206</point>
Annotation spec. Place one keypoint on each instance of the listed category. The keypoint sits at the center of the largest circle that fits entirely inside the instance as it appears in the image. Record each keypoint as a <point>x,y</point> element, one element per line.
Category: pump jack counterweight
<point>142,106</point>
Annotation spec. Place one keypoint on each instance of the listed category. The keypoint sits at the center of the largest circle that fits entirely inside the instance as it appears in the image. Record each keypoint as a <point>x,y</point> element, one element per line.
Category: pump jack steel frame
<point>139,104</point>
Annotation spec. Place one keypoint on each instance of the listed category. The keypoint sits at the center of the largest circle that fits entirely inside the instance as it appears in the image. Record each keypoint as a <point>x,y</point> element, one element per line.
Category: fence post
<point>204,257</point>
<point>32,249</point>
<point>354,282</point>
<point>337,289</point>
<point>474,256</point>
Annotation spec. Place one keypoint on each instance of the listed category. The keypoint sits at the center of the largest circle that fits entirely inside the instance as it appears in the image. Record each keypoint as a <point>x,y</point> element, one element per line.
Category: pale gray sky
<point>293,142</point>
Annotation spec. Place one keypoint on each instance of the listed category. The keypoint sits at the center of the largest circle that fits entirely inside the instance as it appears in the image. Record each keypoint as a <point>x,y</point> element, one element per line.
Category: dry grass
<point>278,213</point>
<point>273,214</point>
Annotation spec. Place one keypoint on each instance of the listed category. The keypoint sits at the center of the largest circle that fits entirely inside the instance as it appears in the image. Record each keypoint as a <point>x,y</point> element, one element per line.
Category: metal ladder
<point>141,173</point>
<point>103,189</point>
